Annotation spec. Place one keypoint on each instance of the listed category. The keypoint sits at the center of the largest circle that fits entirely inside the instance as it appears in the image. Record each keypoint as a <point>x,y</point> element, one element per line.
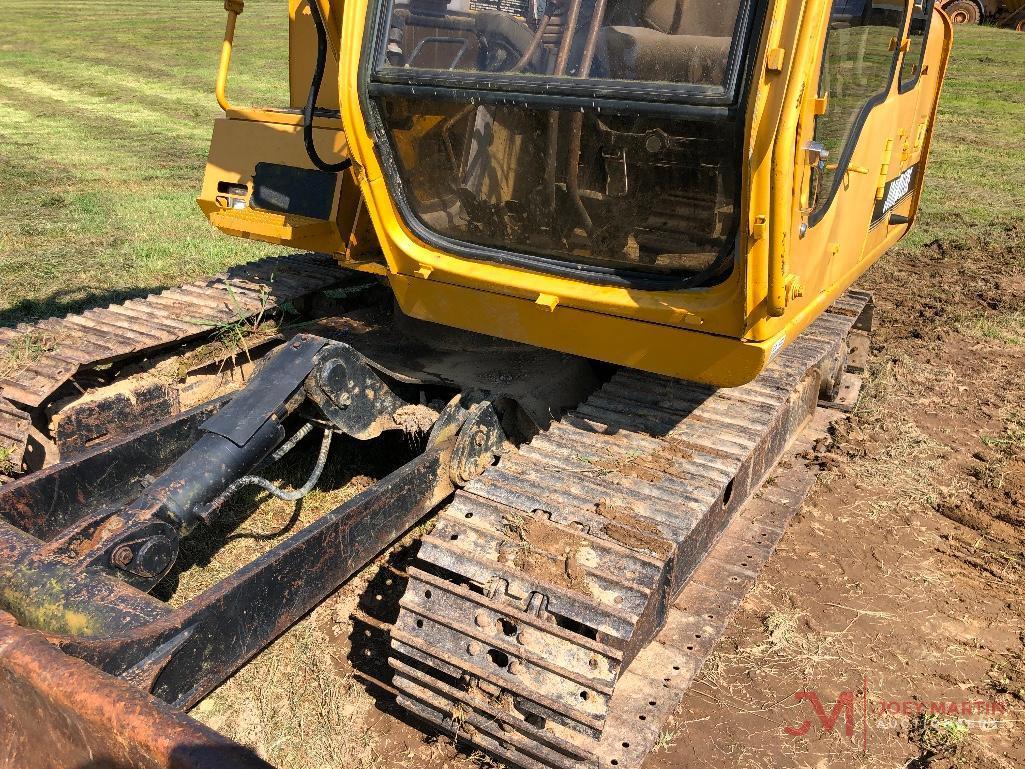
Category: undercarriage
<point>590,528</point>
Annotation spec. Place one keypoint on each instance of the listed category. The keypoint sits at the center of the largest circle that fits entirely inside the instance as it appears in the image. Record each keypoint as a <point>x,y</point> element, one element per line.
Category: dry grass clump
<point>297,703</point>
<point>25,349</point>
<point>252,522</point>
<point>295,706</point>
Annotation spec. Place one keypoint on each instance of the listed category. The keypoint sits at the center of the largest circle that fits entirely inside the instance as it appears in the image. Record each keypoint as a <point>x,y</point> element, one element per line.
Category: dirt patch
<point>546,553</point>
<point>631,530</point>
<point>993,509</point>
<point>950,286</point>
<point>901,579</point>
<point>415,419</point>
<point>651,467</point>
<point>1008,674</point>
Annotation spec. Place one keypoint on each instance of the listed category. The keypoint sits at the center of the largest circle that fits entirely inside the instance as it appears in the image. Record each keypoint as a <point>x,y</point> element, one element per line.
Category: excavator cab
<point>672,185</point>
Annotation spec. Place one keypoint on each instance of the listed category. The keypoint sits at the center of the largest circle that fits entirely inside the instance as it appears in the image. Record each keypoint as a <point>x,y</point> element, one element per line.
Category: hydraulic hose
<point>311,99</point>
<point>273,490</point>
<point>534,43</point>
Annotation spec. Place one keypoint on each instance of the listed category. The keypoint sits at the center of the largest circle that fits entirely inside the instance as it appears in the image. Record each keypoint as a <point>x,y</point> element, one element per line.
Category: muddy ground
<point>897,587</point>
<point>900,581</point>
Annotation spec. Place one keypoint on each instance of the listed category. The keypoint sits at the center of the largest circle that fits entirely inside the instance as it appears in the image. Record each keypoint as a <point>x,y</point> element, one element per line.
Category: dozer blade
<point>57,711</point>
<point>527,621</point>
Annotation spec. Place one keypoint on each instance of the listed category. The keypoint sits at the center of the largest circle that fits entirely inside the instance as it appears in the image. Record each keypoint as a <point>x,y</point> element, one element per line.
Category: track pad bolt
<point>122,556</point>
<point>515,667</point>
<point>474,648</point>
<point>480,619</point>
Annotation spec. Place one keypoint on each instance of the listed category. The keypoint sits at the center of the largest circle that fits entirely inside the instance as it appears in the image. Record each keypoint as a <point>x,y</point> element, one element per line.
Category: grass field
<point>978,158</point>
<point>105,117</point>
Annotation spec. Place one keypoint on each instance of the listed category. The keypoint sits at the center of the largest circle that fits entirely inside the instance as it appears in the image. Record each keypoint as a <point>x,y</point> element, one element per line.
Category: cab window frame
<point>853,137</point>
<point>903,86</point>
<point>726,109</point>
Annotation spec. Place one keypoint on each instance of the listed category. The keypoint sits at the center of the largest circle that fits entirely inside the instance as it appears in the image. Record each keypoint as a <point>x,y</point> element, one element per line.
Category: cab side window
<point>911,64</point>
<point>857,68</point>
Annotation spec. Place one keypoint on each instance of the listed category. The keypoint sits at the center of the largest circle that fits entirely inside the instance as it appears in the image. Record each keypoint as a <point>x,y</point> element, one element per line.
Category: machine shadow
<point>194,756</point>
<point>370,639</point>
<point>75,300</point>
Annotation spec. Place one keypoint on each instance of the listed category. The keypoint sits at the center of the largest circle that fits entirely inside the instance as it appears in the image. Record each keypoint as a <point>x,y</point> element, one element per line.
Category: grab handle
<point>234,8</point>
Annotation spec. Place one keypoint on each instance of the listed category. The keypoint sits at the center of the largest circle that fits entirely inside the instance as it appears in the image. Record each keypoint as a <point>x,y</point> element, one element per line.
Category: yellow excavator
<point>592,259</point>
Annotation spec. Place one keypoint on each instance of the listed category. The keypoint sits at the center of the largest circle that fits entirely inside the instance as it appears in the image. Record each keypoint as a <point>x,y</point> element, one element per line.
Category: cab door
<point>915,89</point>
<point>867,138</point>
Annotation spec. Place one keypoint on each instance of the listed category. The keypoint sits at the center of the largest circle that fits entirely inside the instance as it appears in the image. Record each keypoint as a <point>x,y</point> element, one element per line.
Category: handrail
<point>234,8</point>
<point>258,114</point>
<point>783,155</point>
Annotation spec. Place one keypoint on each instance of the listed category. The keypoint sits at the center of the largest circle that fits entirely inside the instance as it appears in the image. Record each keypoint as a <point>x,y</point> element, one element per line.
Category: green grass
<point>977,164</point>
<point>1002,327</point>
<point>106,110</point>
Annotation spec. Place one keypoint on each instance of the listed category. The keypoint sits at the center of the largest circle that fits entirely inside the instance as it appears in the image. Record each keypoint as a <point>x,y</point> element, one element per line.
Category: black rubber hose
<point>275,491</point>
<point>311,100</point>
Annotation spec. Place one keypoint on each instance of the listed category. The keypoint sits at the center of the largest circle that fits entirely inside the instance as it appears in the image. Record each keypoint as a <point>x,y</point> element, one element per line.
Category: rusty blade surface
<point>537,594</point>
<point>58,712</point>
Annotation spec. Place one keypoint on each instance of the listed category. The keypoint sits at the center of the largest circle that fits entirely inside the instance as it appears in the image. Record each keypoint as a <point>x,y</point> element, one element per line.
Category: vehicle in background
<point>1006,13</point>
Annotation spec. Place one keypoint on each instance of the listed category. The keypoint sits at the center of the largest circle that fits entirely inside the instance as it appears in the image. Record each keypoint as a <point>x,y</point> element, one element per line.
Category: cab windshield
<point>492,114</point>
<point>659,41</point>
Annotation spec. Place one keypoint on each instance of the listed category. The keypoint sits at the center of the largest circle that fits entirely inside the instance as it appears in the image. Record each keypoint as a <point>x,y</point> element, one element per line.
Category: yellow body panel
<point>787,269</point>
<point>237,146</point>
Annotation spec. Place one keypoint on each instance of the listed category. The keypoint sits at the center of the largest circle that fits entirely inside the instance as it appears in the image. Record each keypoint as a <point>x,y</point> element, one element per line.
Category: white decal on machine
<point>899,187</point>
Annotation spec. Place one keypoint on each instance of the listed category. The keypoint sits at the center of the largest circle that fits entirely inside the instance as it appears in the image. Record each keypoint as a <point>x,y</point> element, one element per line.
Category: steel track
<point>526,625</point>
<point>49,353</point>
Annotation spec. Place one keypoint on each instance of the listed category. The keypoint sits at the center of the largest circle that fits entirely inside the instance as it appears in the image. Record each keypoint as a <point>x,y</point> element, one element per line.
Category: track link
<point>549,575</point>
<point>48,354</point>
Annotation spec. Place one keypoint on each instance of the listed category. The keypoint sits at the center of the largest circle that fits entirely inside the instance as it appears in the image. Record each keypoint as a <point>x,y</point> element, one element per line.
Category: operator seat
<point>675,41</point>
